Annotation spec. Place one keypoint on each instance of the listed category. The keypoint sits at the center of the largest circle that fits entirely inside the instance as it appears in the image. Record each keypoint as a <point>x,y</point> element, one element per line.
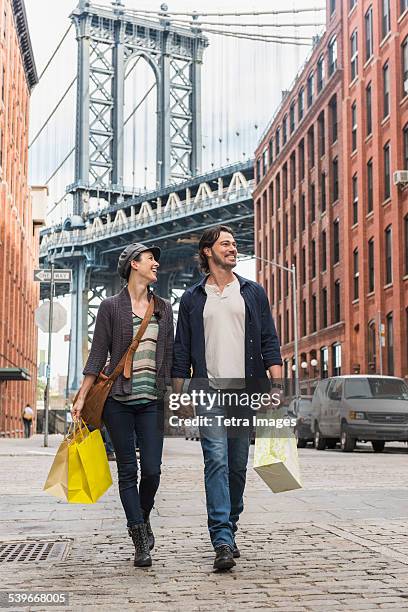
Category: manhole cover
<point>12,552</point>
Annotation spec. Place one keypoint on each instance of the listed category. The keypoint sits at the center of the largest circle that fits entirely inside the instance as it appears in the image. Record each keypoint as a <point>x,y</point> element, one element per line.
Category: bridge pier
<point>78,348</point>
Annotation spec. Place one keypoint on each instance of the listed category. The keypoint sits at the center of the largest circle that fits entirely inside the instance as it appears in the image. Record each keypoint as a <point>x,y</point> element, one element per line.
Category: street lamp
<point>291,271</point>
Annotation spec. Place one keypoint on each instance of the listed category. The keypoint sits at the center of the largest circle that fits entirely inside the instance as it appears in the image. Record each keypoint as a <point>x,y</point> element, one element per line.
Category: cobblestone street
<point>340,543</point>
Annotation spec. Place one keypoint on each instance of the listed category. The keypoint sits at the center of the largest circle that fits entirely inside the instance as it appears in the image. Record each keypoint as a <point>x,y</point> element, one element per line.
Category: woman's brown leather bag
<point>97,395</point>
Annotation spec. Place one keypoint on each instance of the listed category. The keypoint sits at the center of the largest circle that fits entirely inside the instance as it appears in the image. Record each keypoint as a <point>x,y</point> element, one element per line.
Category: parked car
<point>301,408</point>
<point>353,408</point>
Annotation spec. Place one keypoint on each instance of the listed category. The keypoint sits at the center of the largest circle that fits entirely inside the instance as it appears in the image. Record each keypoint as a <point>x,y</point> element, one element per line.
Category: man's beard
<point>221,263</point>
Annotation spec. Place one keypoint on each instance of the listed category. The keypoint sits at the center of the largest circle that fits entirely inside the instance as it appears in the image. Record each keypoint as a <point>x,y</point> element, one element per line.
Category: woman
<point>135,404</point>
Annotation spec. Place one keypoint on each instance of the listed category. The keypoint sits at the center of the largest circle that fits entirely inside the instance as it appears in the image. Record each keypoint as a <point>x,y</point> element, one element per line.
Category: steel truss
<point>108,40</point>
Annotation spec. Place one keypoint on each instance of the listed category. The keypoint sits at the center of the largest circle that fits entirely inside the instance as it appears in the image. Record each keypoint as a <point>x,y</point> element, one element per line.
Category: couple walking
<point>225,332</point>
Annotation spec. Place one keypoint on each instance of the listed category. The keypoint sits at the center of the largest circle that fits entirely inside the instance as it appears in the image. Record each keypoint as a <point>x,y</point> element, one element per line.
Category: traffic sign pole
<point>48,386</point>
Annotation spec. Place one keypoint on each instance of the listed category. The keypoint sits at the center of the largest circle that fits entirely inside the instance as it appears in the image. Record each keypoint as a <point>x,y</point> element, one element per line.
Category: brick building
<point>325,199</point>
<point>18,236</point>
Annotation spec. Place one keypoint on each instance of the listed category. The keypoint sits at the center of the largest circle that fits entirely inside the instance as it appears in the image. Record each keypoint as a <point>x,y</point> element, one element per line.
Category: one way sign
<point>60,276</point>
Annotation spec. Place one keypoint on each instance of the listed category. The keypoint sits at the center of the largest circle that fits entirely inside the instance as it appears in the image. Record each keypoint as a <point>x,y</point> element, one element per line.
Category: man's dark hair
<point>208,239</point>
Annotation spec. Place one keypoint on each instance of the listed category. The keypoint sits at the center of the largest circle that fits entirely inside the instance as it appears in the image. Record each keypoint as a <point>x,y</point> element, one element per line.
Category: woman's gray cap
<point>130,253</point>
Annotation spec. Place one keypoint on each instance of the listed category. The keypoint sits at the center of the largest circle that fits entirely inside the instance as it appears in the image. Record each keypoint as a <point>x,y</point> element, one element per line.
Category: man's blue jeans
<point>225,454</point>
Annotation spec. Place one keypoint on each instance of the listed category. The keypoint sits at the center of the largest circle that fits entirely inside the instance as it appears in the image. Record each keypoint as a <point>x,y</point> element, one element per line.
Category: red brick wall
<point>352,331</point>
<point>18,244</point>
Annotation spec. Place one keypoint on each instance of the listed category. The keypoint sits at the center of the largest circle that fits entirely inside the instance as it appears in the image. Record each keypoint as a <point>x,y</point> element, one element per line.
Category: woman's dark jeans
<point>122,421</point>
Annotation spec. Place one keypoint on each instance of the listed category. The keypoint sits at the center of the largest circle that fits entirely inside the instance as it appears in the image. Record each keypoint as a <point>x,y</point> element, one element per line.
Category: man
<point>27,416</point>
<point>226,334</point>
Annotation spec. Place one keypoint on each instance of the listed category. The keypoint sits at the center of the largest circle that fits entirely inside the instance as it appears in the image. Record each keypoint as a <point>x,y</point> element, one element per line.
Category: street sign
<point>59,317</point>
<point>60,276</point>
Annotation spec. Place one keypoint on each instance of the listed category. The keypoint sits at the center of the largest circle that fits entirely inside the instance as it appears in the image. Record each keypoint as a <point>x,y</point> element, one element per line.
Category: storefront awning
<point>14,374</point>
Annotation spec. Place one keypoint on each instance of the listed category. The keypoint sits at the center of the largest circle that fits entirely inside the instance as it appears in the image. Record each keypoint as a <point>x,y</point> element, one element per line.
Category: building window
<point>371,265</point>
<point>294,225</point>
<point>303,265</point>
<point>313,257</point>
<point>285,180</point>
<point>311,146</point>
<point>336,241</point>
<point>323,191</point>
<point>389,333</point>
<point>304,321</point>
<point>336,359</point>
<point>370,192</point>
<point>312,202</point>
<point>286,230</point>
<point>321,134</point>
<point>271,152</point>
<point>332,55</point>
<point>265,162</point>
<point>405,67</point>
<point>302,212</point>
<point>310,88</point>
<point>286,276</point>
<point>302,159</point>
<point>278,191</point>
<point>369,113</point>
<point>332,6</point>
<point>258,170</point>
<point>285,130</point>
<point>369,33</point>
<point>324,308</point>
<point>387,171</point>
<point>406,242</point>
<point>324,362</point>
<point>353,55</point>
<point>277,142</point>
<point>355,198</point>
<point>386,90</point>
<point>335,179</point>
<point>279,288</point>
<point>354,126</point>
<point>301,104</point>
<point>273,242</point>
<point>292,117</point>
<point>324,251</point>
<point>314,313</point>
<point>403,6</point>
<point>333,118</point>
<point>388,255</point>
<point>320,73</point>
<point>293,171</point>
<point>352,4</point>
<point>386,17</point>
<point>355,274</point>
<point>271,197</point>
<point>278,237</point>
<point>336,312</point>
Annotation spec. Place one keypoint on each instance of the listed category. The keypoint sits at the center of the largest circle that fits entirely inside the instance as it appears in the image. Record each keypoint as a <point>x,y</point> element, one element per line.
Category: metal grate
<point>30,551</point>
<point>388,417</point>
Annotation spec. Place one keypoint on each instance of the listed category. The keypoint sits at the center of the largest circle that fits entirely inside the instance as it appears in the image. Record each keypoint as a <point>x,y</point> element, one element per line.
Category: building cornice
<point>24,40</point>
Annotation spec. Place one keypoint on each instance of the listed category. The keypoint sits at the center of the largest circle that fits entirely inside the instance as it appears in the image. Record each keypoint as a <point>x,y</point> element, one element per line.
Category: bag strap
<point>126,362</point>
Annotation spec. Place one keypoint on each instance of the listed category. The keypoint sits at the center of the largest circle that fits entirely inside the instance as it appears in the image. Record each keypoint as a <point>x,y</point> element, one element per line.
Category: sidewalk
<point>340,543</point>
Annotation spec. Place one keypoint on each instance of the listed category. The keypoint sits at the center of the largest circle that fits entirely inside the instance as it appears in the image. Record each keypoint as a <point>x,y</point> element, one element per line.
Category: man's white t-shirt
<point>224,332</point>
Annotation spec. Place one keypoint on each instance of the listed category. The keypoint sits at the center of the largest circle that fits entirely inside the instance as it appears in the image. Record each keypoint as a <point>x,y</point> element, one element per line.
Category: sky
<point>242,84</point>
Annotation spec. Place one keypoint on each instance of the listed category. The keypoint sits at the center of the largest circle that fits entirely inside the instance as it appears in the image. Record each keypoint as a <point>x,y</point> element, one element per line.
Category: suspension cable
<point>55,52</point>
<point>228,13</point>
<point>138,105</point>
<point>52,113</point>
<point>198,23</point>
<point>60,166</point>
<point>262,37</point>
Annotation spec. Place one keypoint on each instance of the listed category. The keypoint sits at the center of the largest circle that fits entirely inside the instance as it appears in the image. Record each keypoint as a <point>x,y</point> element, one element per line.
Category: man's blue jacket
<point>261,340</point>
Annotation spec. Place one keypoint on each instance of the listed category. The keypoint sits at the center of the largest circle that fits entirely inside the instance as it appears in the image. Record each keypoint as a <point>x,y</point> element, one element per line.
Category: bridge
<point>103,214</point>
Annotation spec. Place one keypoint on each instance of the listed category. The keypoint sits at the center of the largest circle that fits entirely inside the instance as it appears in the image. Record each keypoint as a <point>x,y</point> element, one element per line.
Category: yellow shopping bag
<point>276,455</point>
<point>57,479</point>
<point>89,475</point>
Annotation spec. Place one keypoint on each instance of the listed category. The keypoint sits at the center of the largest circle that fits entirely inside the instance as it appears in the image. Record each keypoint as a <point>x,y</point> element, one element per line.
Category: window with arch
<point>324,362</point>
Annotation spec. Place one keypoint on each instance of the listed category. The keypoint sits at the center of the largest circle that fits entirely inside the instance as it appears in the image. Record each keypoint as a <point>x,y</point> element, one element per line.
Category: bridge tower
<point>108,39</point>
